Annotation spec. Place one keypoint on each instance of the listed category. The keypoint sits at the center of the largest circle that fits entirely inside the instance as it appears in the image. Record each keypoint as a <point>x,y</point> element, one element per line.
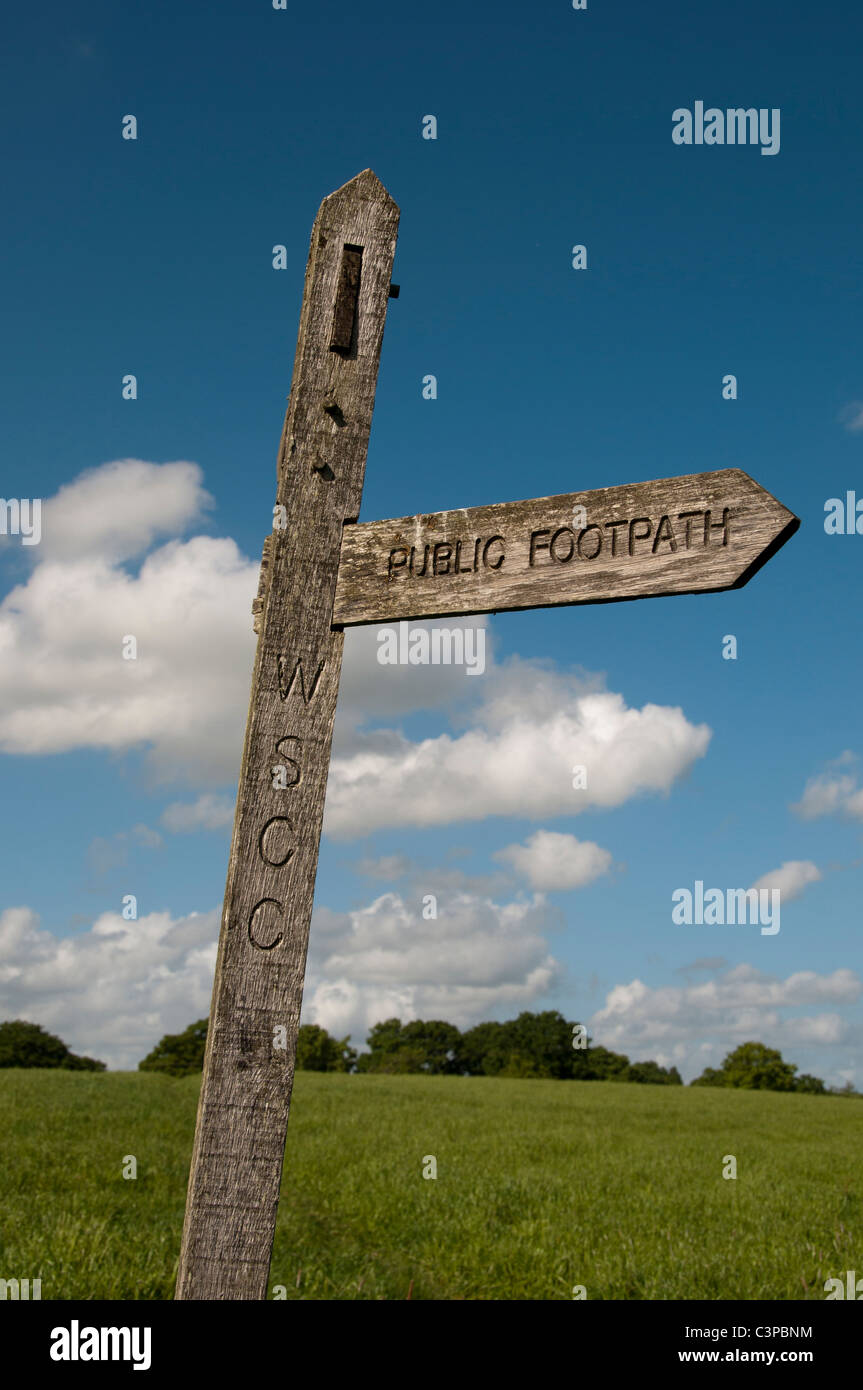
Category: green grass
<point>540,1185</point>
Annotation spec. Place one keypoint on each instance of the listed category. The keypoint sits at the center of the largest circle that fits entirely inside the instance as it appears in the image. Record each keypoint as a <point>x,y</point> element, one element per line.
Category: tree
<point>710,1077</point>
<point>537,1045</point>
<point>601,1064</point>
<point>430,1046</point>
<point>75,1063</point>
<point>401,1061</point>
<point>652,1073</point>
<point>179,1054</point>
<point>751,1067</point>
<point>317,1051</point>
<point>532,1045</point>
<point>755,1067</point>
<point>383,1042</point>
<point>812,1084</point>
<point>481,1049</point>
<point>385,1036</point>
<point>546,1040</point>
<point>436,1041</point>
<point>29,1045</point>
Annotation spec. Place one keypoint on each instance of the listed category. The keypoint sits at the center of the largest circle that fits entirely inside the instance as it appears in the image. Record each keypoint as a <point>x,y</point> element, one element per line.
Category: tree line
<point>542,1046</point>
<point>25,1044</point>
<point>534,1045</point>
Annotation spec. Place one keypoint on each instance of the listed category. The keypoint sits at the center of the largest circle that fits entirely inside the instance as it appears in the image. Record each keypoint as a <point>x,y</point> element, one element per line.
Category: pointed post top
<point>365,186</point>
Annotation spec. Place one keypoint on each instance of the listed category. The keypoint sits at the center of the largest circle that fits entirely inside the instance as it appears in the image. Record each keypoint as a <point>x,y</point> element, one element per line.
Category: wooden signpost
<point>322,572</point>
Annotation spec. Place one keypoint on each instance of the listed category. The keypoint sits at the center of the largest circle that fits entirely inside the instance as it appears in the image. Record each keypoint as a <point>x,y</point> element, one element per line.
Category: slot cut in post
<point>347,295</point>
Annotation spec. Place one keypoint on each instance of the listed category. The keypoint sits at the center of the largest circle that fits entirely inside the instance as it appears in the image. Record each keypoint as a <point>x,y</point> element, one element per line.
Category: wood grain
<point>695,534</point>
<point>245,1095</point>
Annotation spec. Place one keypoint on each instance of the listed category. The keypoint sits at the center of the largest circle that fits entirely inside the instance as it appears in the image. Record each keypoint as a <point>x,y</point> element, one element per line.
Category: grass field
<point>541,1185</point>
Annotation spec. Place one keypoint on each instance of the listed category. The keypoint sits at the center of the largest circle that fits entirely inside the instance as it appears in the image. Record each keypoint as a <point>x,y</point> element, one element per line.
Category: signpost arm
<point>696,534</point>
<point>251,1042</point>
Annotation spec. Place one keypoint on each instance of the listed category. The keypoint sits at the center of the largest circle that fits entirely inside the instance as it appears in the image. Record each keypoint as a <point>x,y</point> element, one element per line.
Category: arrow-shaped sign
<point>695,534</point>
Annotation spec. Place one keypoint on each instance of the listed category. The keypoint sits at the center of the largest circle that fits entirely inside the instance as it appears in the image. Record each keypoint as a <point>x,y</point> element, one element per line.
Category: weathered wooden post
<point>251,1042</point>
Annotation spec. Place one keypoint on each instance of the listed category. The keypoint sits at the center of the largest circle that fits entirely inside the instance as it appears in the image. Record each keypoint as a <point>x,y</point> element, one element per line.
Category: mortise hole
<point>343,335</point>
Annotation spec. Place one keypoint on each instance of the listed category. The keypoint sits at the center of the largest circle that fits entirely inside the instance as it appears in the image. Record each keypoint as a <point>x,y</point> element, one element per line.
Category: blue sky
<point>154,257</point>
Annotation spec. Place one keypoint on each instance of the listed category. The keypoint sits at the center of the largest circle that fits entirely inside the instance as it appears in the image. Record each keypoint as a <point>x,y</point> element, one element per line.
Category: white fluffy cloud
<point>119,509</point>
<point>790,878</point>
<point>555,862</point>
<point>676,1024</point>
<point>64,683</point>
<point>532,729</point>
<point>110,992</point>
<point>386,960</point>
<point>830,794</point>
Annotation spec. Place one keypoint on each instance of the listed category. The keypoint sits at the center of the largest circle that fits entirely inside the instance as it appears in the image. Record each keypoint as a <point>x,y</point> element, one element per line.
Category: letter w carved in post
<point>286,683</point>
